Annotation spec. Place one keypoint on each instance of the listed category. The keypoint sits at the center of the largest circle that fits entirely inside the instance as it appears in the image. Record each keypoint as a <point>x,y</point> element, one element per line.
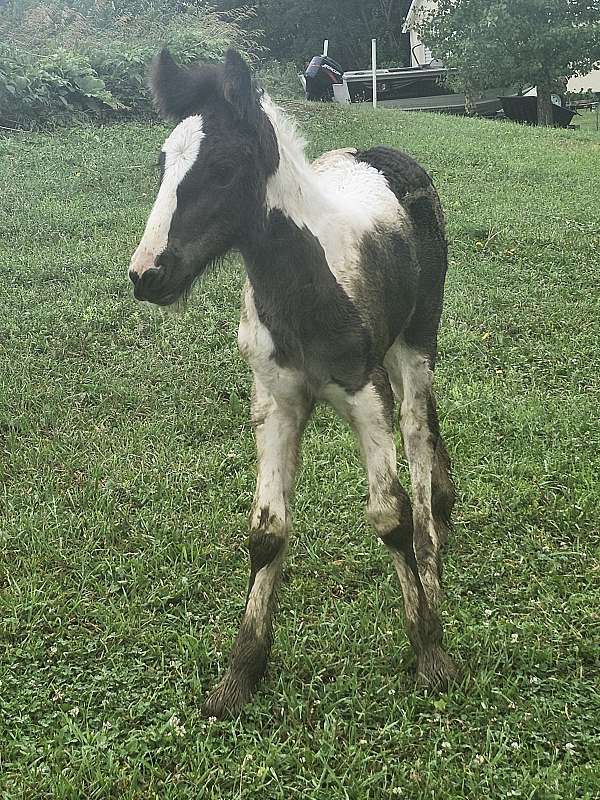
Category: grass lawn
<point>587,121</point>
<point>126,474</point>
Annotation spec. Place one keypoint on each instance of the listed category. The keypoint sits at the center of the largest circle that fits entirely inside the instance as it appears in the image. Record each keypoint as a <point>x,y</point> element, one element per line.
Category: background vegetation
<point>520,43</point>
<point>294,31</point>
<point>127,469</point>
<point>63,60</point>
<point>89,59</point>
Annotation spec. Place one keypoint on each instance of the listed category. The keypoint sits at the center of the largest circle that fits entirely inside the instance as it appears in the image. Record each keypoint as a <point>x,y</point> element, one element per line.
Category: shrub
<point>65,62</point>
<point>60,87</point>
<point>280,79</point>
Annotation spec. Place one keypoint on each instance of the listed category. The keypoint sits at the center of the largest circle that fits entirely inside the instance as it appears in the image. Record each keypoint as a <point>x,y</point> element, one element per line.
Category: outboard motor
<point>320,75</point>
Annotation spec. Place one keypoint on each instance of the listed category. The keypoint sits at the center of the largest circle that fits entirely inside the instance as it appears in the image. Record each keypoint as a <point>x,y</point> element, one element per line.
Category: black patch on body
<point>381,382</point>
<point>427,631</point>
<point>264,548</point>
<point>248,663</point>
<point>388,286</point>
<point>443,492</point>
<point>432,255</point>
<point>414,189</point>
<point>249,657</point>
<point>401,537</point>
<point>315,326</point>
<point>403,174</point>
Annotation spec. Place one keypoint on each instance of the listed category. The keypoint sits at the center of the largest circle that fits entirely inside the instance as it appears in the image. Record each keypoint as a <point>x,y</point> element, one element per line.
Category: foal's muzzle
<point>155,286</point>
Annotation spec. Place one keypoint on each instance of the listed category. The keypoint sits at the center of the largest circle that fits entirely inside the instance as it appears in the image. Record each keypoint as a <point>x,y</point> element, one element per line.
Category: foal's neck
<point>286,255</point>
<point>294,188</point>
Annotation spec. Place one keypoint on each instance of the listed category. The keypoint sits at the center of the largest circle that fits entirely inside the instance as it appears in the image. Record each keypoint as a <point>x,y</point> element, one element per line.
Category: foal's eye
<point>223,174</point>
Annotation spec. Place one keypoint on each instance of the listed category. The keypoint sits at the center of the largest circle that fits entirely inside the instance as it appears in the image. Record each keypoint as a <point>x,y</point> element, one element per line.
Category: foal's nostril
<point>134,277</point>
<point>168,259</point>
<point>149,285</point>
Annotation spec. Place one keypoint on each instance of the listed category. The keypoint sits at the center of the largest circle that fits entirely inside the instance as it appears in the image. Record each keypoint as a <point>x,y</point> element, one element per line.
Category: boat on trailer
<point>416,88</point>
<point>423,86</point>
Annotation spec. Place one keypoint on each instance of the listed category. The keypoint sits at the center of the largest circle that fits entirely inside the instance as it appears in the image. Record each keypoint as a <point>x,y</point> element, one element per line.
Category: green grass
<point>588,121</point>
<point>126,473</point>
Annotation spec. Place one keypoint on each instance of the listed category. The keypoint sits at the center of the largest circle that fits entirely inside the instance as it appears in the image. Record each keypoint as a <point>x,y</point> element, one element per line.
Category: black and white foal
<point>345,259</point>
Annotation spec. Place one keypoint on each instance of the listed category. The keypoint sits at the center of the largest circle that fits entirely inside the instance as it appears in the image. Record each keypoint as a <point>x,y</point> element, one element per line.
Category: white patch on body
<point>254,339</point>
<point>393,365</point>
<point>416,379</point>
<point>276,427</point>
<point>257,607</point>
<point>181,151</point>
<point>364,410</point>
<point>338,198</point>
<point>280,405</point>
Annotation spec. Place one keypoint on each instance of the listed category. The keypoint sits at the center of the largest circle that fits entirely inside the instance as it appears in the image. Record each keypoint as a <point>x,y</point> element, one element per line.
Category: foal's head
<point>214,169</point>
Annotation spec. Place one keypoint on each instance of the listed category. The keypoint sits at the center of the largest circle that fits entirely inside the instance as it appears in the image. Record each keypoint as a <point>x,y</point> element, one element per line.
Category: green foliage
<point>58,86</point>
<point>86,60</point>
<point>515,42</point>
<point>280,79</point>
<point>294,31</point>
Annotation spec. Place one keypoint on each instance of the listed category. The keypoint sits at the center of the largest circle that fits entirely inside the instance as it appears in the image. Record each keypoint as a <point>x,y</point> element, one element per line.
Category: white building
<point>418,11</point>
<point>586,83</point>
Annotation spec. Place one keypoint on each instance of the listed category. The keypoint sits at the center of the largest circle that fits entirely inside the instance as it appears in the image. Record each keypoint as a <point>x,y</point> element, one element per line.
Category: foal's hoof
<point>227,698</point>
<point>436,670</point>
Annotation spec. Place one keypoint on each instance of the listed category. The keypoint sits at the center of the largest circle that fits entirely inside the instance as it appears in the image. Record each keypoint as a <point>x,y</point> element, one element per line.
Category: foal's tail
<point>426,213</point>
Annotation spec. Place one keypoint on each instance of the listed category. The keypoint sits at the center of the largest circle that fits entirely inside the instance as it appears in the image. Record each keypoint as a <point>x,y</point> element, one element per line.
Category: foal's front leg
<point>278,425</point>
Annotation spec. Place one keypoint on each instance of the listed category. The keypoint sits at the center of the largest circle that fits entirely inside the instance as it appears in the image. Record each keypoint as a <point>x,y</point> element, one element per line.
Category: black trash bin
<point>320,75</point>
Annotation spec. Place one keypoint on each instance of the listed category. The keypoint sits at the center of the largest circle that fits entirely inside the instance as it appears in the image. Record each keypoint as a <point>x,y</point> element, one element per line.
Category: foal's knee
<point>390,513</point>
<point>266,519</point>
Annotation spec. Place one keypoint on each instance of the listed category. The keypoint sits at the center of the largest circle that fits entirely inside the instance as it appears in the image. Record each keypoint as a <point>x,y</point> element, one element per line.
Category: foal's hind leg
<point>278,426</point>
<point>370,412</point>
<point>433,490</point>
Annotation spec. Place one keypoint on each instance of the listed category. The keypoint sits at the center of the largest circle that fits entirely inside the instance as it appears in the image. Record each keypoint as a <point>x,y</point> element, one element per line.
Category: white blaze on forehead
<point>180,152</point>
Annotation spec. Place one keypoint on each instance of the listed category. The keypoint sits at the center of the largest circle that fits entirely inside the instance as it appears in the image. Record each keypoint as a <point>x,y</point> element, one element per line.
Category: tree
<point>294,31</point>
<point>516,43</point>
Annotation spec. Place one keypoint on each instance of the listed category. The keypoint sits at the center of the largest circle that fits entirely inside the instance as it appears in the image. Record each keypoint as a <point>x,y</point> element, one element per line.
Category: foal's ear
<point>172,86</point>
<point>237,86</point>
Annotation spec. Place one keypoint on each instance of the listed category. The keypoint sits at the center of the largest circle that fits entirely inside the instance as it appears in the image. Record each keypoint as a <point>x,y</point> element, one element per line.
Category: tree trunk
<point>470,103</point>
<point>544,105</point>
